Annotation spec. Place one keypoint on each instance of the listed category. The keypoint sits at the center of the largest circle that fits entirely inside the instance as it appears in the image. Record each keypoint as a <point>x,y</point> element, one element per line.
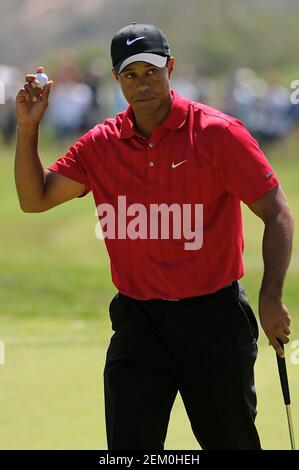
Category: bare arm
<point>277,247</point>
<point>29,171</point>
<point>38,189</point>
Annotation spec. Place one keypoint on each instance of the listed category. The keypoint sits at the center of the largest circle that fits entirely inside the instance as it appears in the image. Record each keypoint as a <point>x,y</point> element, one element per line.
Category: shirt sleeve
<point>74,164</point>
<point>245,170</point>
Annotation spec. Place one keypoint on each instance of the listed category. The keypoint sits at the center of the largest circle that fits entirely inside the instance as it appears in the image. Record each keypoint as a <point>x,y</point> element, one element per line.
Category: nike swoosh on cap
<point>129,42</point>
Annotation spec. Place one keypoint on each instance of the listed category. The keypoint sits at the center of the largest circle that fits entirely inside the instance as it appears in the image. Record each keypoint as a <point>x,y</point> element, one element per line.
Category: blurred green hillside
<point>216,35</point>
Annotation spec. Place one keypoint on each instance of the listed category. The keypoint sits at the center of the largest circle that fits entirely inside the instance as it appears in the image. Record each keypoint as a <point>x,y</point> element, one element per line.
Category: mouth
<point>144,98</point>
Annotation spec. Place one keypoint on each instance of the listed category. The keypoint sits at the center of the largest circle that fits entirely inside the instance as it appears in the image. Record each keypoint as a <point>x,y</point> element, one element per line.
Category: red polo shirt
<point>198,155</point>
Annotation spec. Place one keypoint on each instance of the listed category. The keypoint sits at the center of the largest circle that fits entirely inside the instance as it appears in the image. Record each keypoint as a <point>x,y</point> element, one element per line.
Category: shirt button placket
<point>151,163</point>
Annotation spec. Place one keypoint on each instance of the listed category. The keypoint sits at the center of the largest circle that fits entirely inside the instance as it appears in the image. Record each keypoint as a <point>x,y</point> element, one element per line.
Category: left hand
<point>275,321</point>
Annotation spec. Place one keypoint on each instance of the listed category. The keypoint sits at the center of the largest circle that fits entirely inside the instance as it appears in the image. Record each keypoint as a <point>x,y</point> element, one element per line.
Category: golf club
<point>282,368</point>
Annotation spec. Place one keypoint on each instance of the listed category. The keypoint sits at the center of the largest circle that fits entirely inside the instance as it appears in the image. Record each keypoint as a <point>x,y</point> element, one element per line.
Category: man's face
<point>144,85</point>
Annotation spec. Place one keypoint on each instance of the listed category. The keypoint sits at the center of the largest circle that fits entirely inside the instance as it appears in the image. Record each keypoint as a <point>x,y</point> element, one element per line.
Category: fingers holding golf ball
<point>37,85</point>
<point>32,99</point>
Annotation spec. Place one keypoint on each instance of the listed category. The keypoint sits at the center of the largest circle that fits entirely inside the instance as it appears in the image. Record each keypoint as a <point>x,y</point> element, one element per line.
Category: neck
<point>146,122</point>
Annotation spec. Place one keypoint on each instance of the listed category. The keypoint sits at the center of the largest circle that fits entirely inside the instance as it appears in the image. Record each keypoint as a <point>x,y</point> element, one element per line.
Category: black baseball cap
<point>139,42</point>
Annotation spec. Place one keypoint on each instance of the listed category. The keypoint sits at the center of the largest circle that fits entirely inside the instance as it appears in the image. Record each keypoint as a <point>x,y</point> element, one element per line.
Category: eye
<point>152,71</point>
<point>129,75</point>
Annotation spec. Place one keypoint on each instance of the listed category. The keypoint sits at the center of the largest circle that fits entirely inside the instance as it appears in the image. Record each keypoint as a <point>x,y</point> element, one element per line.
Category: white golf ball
<point>42,78</point>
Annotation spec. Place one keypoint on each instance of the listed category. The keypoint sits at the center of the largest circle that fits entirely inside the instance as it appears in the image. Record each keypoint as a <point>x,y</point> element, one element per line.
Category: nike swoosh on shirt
<point>174,165</point>
<point>129,42</point>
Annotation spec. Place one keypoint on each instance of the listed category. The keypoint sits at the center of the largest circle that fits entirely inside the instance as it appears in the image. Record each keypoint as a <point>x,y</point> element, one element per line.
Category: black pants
<point>204,347</point>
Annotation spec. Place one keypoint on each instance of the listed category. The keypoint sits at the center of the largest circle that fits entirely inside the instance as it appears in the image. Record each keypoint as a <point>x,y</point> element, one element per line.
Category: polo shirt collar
<point>175,118</point>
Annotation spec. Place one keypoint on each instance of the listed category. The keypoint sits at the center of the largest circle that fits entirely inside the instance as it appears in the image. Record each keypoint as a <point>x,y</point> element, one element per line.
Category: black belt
<point>173,300</point>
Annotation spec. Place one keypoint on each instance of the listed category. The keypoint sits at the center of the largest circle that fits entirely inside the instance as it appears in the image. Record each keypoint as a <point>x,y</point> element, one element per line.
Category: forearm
<point>277,248</point>
<point>29,171</point>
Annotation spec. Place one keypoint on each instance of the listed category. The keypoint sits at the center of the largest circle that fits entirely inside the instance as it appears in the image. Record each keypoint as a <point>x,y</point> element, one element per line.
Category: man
<point>181,318</point>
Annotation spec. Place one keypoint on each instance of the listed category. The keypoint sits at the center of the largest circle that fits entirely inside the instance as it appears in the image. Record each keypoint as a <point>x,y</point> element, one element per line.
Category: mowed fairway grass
<point>55,290</point>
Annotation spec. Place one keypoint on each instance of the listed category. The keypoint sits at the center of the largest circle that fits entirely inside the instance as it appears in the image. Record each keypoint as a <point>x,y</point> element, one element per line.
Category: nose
<point>142,85</point>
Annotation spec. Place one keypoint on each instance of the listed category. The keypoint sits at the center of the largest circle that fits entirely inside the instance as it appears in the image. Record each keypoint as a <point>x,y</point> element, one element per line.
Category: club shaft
<point>291,429</point>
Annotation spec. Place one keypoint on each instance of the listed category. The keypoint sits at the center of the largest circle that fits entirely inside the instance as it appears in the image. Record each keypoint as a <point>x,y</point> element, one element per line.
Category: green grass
<point>55,290</point>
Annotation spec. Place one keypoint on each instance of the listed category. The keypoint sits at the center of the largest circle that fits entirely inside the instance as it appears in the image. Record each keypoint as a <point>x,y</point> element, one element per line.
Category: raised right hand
<point>31,101</point>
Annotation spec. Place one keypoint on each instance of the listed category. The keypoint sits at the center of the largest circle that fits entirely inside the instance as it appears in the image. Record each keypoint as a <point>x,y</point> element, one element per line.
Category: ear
<point>115,74</point>
<point>170,65</point>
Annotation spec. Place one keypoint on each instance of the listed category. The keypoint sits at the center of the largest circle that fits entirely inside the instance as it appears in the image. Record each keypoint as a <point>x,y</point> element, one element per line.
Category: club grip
<point>282,368</point>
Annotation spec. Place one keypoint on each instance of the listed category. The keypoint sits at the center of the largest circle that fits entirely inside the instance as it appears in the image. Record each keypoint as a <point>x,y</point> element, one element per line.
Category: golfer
<point>182,321</point>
